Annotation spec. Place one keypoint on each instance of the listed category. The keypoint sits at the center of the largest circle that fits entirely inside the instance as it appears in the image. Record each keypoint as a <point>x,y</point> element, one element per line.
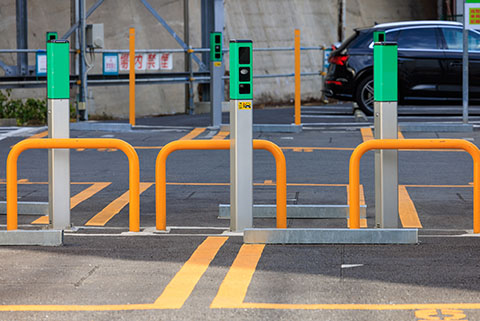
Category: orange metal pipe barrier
<point>354,174</point>
<point>161,172</point>
<point>298,97</point>
<point>134,171</point>
<point>131,77</point>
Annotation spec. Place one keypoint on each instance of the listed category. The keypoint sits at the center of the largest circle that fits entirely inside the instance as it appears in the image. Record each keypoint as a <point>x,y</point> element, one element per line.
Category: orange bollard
<point>161,180</point>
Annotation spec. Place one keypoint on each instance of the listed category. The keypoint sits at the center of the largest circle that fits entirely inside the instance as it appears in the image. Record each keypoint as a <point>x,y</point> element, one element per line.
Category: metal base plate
<point>32,237</point>
<point>330,236</point>
<point>296,211</point>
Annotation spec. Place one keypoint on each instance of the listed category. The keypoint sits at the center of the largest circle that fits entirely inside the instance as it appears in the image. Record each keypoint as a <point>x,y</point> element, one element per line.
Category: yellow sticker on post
<point>244,105</point>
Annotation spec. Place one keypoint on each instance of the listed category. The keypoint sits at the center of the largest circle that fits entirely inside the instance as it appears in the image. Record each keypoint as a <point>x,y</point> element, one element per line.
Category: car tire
<point>364,95</point>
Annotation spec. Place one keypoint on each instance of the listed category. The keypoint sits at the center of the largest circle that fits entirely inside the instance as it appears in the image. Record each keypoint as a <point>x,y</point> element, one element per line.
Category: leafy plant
<point>27,112</point>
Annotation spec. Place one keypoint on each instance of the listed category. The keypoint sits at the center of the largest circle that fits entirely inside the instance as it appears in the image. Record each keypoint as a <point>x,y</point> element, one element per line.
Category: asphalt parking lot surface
<point>198,271</point>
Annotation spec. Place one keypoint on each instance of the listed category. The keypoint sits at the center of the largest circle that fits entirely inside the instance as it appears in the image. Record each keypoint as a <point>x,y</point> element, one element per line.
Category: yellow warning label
<point>244,105</point>
<point>217,63</point>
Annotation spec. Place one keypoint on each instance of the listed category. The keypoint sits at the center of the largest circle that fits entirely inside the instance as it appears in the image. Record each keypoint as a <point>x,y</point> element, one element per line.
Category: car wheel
<point>364,95</point>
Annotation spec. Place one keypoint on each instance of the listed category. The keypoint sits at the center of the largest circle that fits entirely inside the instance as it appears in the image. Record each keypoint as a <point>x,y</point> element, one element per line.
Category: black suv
<point>429,64</point>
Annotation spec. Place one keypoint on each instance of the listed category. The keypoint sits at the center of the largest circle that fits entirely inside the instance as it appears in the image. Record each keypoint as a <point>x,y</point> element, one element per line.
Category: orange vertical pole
<point>132,77</point>
<point>297,78</point>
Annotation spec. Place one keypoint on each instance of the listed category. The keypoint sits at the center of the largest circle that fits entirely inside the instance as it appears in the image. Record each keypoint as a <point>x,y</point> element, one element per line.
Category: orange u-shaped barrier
<point>161,172</point>
<point>354,174</point>
<point>134,171</point>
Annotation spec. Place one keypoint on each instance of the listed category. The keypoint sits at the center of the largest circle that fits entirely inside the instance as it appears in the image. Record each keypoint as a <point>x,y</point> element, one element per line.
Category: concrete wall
<point>269,23</point>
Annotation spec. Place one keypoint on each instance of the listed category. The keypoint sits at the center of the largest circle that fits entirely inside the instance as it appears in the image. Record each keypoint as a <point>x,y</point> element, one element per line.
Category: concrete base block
<point>277,128</point>
<point>296,211</point>
<point>330,236</point>
<point>106,127</point>
<point>32,237</point>
<point>8,122</point>
<point>435,127</point>
<point>27,208</point>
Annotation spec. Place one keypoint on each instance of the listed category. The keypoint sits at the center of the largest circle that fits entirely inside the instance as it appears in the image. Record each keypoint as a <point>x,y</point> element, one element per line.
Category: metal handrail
<point>48,143</point>
<point>178,50</point>
<point>354,169</point>
<point>161,169</point>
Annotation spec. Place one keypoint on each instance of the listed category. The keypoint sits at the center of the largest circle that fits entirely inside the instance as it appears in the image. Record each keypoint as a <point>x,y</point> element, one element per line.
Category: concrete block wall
<point>269,23</point>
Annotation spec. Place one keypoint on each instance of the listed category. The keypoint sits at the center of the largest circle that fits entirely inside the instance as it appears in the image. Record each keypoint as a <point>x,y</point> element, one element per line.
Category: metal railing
<point>354,169</point>
<point>161,171</point>
<point>49,143</point>
<point>186,79</point>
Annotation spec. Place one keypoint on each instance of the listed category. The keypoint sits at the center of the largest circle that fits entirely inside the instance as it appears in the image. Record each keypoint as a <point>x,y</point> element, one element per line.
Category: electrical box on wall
<point>94,35</point>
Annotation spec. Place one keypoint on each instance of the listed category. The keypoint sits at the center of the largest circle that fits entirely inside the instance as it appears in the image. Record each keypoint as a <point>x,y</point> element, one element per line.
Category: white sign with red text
<point>148,61</point>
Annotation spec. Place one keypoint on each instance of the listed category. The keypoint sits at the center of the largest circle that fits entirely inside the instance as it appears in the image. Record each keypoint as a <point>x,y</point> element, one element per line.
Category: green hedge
<point>28,111</point>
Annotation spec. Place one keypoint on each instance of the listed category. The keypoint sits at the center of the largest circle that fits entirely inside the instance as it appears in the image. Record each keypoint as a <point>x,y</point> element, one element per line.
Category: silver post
<point>241,165</point>
<point>465,68</point>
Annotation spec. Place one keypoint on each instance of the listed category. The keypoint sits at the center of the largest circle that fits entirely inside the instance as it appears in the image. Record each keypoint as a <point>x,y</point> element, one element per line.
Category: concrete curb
<point>27,208</point>
<point>277,128</point>
<point>296,211</point>
<point>98,126</point>
<point>32,237</point>
<point>330,236</point>
<point>435,127</point>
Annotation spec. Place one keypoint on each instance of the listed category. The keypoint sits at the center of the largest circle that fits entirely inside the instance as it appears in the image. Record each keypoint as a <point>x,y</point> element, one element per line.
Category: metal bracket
<point>9,70</point>
<point>75,26</point>
<point>173,33</point>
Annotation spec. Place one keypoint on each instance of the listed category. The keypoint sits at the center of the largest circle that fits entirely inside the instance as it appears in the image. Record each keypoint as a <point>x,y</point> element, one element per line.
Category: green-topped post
<point>58,95</point>
<point>241,155</point>
<point>216,72</point>
<point>385,84</point>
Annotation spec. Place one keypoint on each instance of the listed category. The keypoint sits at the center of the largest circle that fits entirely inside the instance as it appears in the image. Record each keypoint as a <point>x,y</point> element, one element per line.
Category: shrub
<point>27,112</point>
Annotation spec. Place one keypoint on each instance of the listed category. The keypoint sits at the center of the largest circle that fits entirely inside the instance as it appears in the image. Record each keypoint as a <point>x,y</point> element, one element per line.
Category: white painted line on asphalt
<point>19,132</point>
<point>349,266</point>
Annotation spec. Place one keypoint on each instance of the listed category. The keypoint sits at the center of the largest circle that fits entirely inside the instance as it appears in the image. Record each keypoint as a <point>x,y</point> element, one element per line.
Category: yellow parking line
<point>356,307</point>
<point>194,133</point>
<point>87,193</point>
<point>39,135</point>
<point>406,209</point>
<point>173,297</point>
<point>42,220</point>
<point>265,183</point>
<point>234,287</point>
<point>143,307</point>
<point>367,133</point>
<point>311,149</point>
<point>77,199</point>
<point>114,208</point>
<point>221,135</point>
<point>232,291</point>
<point>182,285</point>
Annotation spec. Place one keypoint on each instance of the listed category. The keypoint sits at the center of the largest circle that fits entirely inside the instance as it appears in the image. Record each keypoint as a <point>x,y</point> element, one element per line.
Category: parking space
<point>199,269</point>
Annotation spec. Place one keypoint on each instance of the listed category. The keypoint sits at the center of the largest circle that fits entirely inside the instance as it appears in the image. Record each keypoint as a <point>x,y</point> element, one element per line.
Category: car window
<point>391,35</point>
<point>454,39</point>
<point>417,38</point>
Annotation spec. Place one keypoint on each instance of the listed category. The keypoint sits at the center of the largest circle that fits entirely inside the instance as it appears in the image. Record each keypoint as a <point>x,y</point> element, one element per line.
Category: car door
<point>453,62</point>
<point>419,62</point>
